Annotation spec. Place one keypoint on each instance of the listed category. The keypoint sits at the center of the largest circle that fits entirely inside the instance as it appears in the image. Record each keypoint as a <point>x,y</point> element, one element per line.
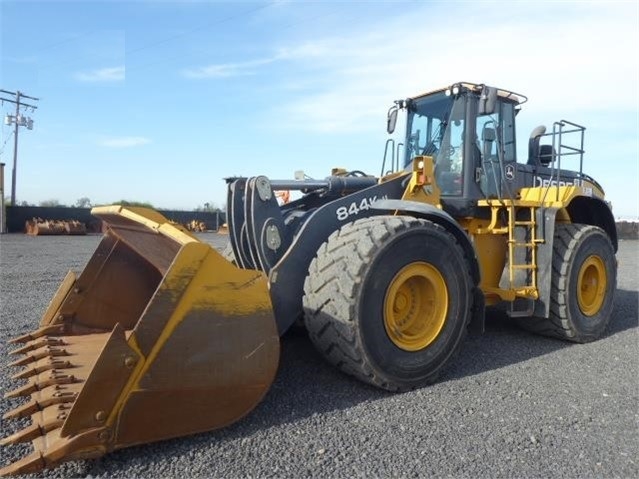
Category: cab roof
<point>518,98</point>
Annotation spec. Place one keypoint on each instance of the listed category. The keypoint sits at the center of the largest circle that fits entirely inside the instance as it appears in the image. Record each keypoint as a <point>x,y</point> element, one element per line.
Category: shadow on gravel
<point>504,344</point>
<point>306,387</point>
<point>626,313</point>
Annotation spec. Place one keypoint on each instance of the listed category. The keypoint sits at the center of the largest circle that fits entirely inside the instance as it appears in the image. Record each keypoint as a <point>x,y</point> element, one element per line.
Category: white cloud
<point>224,70</point>
<point>124,142</point>
<point>566,57</point>
<point>250,67</point>
<point>111,74</point>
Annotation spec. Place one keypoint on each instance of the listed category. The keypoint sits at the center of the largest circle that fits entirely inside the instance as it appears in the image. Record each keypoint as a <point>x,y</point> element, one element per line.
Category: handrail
<point>392,162</point>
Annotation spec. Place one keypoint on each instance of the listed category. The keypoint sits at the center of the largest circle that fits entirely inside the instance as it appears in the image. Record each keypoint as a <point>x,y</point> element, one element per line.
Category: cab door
<point>495,139</point>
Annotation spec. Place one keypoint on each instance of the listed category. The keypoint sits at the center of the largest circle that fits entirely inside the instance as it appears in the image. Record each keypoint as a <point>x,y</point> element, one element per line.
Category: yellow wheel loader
<point>161,336</point>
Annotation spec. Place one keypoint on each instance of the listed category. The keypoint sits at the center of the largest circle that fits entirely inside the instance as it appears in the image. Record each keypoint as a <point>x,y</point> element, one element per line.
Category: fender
<point>434,214</point>
<point>596,212</point>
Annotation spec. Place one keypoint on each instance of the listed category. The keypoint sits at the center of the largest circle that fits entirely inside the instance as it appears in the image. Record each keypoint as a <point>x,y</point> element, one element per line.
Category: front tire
<point>388,300</point>
<point>584,279</point>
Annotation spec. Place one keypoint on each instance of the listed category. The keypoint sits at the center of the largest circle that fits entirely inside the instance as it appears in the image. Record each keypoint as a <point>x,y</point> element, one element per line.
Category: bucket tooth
<point>54,379</point>
<point>27,434</point>
<point>47,351</point>
<point>51,450</point>
<point>23,361</point>
<point>41,353</point>
<point>22,391</point>
<point>32,463</point>
<point>31,432</point>
<point>58,397</point>
<point>37,344</point>
<point>38,333</point>
<point>23,411</point>
<point>42,366</point>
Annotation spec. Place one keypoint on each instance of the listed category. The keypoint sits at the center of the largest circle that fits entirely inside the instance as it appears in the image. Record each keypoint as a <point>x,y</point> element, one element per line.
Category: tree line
<point>86,202</point>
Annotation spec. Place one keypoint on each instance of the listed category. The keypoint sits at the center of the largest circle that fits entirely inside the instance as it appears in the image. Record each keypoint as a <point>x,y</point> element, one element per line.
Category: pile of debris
<point>197,226</point>
<point>39,227</point>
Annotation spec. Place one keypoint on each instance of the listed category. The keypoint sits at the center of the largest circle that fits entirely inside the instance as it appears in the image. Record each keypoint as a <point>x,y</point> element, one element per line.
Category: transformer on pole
<point>18,120</point>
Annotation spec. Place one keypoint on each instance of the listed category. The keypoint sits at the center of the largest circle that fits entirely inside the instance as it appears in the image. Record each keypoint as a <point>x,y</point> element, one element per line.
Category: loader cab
<point>469,130</point>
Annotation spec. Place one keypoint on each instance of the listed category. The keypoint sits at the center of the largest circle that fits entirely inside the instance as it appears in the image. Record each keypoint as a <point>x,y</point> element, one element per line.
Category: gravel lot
<point>512,405</point>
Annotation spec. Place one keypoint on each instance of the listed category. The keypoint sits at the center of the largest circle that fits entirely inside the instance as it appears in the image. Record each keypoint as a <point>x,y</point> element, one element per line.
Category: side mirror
<point>487,100</point>
<point>391,121</point>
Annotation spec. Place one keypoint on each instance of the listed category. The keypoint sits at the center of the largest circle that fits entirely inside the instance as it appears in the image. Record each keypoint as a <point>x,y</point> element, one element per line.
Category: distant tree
<point>83,202</point>
<point>134,203</point>
<point>208,207</point>
<point>7,202</point>
<point>52,202</point>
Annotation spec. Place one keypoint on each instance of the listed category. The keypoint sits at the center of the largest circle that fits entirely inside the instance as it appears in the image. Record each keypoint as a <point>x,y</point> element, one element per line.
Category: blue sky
<point>159,100</point>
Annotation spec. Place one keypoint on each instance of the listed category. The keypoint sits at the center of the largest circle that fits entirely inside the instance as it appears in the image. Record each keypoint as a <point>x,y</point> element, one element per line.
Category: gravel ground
<point>512,405</point>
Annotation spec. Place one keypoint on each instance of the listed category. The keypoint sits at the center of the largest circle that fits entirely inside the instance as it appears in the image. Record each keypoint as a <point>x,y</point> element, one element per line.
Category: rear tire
<point>584,279</point>
<point>388,300</point>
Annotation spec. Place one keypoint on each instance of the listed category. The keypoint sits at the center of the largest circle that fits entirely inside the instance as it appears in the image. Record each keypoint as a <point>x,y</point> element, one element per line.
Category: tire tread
<point>567,239</point>
<point>331,288</point>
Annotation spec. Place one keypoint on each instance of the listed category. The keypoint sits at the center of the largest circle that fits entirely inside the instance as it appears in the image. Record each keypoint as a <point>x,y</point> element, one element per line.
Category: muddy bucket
<point>158,337</point>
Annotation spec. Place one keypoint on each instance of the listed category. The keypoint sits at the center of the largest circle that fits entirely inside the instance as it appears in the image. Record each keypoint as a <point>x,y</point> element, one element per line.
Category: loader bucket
<point>158,337</point>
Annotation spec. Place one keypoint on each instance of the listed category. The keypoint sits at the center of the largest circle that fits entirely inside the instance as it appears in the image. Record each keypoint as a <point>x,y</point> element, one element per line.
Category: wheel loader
<point>162,336</point>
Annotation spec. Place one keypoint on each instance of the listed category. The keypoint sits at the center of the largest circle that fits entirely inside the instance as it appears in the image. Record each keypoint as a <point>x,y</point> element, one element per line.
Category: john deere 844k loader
<point>161,336</point>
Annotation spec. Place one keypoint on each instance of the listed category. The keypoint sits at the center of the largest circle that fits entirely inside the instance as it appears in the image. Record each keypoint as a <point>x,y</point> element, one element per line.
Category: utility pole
<point>3,211</point>
<point>18,120</point>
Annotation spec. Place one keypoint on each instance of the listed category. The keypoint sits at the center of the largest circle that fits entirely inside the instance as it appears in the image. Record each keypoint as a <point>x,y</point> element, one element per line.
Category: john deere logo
<point>510,172</point>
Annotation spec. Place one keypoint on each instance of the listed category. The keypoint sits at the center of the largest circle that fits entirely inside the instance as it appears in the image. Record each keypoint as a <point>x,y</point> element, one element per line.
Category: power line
<point>197,29</point>
<point>137,68</point>
<point>162,41</point>
<point>171,38</point>
<point>5,142</point>
<point>64,42</point>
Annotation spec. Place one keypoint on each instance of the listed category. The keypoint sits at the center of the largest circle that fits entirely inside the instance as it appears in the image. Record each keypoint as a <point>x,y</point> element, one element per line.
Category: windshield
<point>427,120</point>
<point>436,128</point>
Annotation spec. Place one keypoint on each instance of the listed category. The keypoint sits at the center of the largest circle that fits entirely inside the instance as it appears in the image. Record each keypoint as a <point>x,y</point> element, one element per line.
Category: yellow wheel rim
<point>415,306</point>
<point>591,285</point>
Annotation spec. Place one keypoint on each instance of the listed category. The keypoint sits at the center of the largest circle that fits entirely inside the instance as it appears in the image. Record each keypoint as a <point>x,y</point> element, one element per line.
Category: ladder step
<point>516,243</point>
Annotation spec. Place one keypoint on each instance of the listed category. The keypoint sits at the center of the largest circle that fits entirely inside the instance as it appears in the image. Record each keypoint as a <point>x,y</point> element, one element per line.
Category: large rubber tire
<point>584,279</point>
<point>353,281</point>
